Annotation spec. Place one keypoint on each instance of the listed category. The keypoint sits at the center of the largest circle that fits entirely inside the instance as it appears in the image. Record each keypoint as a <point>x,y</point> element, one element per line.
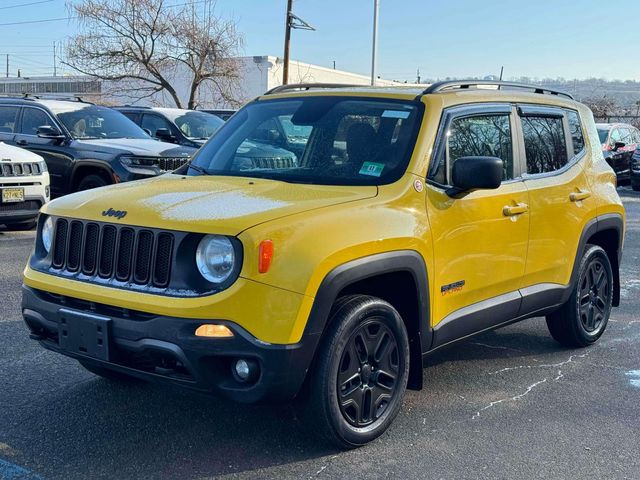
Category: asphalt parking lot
<point>507,404</point>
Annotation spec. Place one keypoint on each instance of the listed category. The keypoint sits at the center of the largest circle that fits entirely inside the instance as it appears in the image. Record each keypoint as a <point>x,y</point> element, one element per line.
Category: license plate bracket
<point>84,334</point>
<point>12,195</point>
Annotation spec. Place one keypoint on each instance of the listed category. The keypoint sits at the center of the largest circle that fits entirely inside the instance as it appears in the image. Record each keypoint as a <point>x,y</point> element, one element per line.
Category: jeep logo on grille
<point>119,214</point>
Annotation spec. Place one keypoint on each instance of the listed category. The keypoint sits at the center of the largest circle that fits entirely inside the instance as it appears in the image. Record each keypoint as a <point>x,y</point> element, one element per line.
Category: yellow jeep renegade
<point>328,238</point>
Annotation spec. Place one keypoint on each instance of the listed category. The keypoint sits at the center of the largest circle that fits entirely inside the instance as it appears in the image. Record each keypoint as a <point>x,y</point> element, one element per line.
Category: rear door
<point>480,239</point>
<point>560,198</point>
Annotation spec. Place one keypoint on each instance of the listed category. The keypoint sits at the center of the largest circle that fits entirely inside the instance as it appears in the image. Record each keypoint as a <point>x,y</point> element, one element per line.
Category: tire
<point>582,320</point>
<point>367,343</point>
<point>92,181</point>
<point>107,374</point>
<point>21,226</point>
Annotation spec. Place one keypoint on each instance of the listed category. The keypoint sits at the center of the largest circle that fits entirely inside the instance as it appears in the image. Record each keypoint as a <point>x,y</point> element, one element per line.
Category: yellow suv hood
<point>205,204</point>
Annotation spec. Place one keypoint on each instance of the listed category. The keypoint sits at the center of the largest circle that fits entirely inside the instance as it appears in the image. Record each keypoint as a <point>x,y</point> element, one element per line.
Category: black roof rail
<point>307,86</point>
<point>132,106</point>
<point>467,84</point>
<point>23,96</point>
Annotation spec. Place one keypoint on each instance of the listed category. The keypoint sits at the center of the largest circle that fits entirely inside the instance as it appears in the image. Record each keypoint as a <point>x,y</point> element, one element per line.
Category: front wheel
<point>92,181</point>
<point>361,373</point>
<point>583,318</point>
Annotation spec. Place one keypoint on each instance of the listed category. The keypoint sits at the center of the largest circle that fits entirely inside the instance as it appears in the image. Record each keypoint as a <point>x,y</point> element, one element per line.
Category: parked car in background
<point>619,141</point>
<point>24,187</point>
<point>223,113</point>
<point>174,125</point>
<point>85,145</point>
<point>266,148</point>
<point>635,170</point>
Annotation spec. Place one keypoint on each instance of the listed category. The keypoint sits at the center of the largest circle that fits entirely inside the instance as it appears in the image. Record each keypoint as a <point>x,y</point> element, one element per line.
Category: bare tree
<point>152,46</point>
<point>602,107</point>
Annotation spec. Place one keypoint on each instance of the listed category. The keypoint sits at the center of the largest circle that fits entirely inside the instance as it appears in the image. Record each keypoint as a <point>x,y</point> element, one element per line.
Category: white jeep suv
<point>24,187</point>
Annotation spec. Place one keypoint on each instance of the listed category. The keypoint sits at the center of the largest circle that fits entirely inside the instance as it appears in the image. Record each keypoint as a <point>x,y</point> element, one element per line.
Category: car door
<point>8,123</point>
<point>560,200</point>
<point>54,151</point>
<point>480,238</point>
<point>615,157</point>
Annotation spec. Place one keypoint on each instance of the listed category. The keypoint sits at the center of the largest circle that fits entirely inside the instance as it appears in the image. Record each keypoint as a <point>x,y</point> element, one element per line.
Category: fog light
<point>245,370</point>
<point>214,330</point>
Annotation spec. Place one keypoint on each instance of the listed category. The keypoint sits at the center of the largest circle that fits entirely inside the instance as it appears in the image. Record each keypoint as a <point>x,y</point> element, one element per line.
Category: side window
<point>154,122</point>
<point>576,131</point>
<point>131,116</point>
<point>544,143</point>
<point>479,135</point>
<point>626,136</point>
<point>32,119</point>
<point>616,136</point>
<point>8,117</point>
<point>636,135</point>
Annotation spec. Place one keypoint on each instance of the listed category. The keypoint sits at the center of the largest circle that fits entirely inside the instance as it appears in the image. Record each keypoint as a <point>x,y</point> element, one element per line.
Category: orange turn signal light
<point>214,330</point>
<point>265,255</point>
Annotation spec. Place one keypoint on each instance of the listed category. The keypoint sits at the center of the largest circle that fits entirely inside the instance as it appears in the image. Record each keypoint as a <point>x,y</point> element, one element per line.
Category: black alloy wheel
<point>595,296</point>
<point>368,373</point>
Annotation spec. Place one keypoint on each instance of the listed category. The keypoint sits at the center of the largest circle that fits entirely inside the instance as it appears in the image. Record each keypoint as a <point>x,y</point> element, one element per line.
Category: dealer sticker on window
<point>372,169</point>
<point>395,114</point>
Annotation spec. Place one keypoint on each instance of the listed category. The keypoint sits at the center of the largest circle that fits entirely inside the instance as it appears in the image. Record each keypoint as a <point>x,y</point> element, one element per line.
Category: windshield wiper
<point>198,169</point>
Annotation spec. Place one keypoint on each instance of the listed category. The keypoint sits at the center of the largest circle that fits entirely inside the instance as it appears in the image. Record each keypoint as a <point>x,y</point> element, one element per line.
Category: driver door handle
<point>21,142</point>
<point>511,210</point>
<point>580,195</point>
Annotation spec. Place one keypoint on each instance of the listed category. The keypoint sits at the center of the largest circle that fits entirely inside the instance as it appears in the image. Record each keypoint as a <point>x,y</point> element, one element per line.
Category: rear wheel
<point>582,320</point>
<point>92,181</point>
<point>359,380</point>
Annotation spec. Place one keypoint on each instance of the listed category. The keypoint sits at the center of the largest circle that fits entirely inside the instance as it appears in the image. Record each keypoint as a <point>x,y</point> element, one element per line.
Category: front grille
<point>171,163</point>
<point>19,169</point>
<point>123,253</point>
<point>273,162</point>
<point>31,205</point>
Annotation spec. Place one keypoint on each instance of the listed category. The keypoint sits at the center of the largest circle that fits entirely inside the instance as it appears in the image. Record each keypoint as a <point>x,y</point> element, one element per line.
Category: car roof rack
<point>308,86</point>
<point>468,84</point>
<point>132,106</point>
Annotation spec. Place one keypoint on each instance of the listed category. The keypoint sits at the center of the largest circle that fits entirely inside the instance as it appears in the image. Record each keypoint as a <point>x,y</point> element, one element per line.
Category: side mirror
<point>165,135</point>
<point>475,173</point>
<point>47,131</point>
<point>618,145</point>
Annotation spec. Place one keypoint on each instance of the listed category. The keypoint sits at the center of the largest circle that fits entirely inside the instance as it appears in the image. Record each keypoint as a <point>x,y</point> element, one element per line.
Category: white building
<point>257,75</point>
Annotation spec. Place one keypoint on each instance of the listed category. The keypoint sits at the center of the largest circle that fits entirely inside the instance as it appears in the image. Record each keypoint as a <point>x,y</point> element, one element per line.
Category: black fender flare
<point>609,221</point>
<point>367,267</point>
<point>78,164</point>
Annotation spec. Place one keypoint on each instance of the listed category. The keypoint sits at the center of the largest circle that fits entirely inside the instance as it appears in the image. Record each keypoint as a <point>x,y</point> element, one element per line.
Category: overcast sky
<point>455,38</point>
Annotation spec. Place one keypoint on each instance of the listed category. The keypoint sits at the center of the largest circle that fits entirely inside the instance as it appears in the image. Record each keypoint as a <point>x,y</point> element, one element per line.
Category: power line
<point>26,4</point>
<point>37,21</point>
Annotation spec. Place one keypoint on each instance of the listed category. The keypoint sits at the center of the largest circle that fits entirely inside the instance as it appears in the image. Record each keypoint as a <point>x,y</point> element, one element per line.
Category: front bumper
<point>164,349</point>
<point>35,195</point>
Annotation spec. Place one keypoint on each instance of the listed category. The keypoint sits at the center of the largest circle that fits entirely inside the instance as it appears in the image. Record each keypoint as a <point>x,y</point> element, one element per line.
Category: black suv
<point>85,145</point>
<point>174,125</point>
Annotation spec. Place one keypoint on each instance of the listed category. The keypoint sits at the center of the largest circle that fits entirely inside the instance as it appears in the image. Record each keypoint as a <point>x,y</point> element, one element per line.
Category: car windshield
<point>603,134</point>
<point>320,140</point>
<point>93,122</point>
<point>198,125</point>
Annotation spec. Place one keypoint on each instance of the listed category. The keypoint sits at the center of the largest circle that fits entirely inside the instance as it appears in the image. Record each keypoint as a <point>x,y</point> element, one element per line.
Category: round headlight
<point>47,234</point>
<point>215,258</point>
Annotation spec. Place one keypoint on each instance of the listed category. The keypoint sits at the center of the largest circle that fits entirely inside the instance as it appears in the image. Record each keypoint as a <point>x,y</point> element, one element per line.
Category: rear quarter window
<point>575,130</point>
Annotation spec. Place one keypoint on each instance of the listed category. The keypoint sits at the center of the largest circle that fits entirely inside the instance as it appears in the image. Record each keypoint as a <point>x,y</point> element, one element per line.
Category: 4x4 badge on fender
<point>119,214</point>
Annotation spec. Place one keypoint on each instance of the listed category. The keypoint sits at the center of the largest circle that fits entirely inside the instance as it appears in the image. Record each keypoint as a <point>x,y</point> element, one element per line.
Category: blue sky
<point>456,38</point>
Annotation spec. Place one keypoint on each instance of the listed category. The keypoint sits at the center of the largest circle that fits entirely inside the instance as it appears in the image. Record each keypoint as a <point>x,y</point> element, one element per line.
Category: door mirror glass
<point>476,173</point>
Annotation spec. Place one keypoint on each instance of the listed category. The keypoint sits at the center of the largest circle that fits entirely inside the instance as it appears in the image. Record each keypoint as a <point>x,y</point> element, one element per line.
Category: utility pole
<point>7,65</point>
<point>54,59</point>
<point>287,42</point>
<point>418,75</point>
<point>293,22</point>
<point>374,50</point>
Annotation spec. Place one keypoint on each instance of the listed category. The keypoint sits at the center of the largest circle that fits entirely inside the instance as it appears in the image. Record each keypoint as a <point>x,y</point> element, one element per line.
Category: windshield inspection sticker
<point>395,114</point>
<point>372,169</point>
